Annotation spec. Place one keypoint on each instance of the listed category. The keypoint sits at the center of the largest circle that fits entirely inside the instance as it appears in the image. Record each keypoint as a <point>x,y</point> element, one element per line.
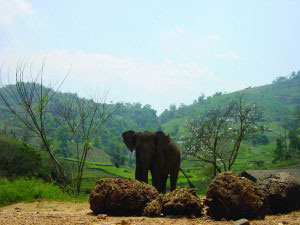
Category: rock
<point>121,197</point>
<point>232,197</point>
<point>102,216</point>
<point>282,191</point>
<point>242,222</point>
<point>124,222</point>
<point>181,202</point>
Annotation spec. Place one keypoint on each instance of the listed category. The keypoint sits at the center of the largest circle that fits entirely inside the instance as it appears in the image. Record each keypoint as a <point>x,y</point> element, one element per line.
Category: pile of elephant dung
<point>181,201</point>
<point>121,197</point>
<point>232,197</point>
<point>282,191</point>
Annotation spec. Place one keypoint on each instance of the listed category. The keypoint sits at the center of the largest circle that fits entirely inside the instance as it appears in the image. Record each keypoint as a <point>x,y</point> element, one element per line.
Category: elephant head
<point>143,144</point>
<point>129,138</point>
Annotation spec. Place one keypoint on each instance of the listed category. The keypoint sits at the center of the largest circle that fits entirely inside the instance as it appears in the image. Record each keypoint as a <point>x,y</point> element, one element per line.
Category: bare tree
<point>82,118</point>
<point>215,137</point>
<point>28,102</point>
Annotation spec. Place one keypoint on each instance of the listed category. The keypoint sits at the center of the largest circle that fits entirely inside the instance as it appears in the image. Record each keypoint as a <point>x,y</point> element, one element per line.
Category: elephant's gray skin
<point>156,152</point>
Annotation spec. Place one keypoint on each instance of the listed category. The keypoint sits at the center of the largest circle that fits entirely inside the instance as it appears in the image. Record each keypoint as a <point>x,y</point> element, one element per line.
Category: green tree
<point>29,103</point>
<point>215,137</point>
<point>62,136</point>
<point>19,160</point>
<point>201,98</point>
<point>279,150</point>
<point>294,134</point>
<point>82,119</point>
<point>118,157</point>
<point>97,142</point>
<point>294,137</point>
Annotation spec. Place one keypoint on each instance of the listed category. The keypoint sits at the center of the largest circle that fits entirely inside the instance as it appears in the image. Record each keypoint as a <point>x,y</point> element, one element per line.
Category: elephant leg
<point>174,176</point>
<point>144,175</point>
<point>155,179</point>
<point>138,170</point>
<point>137,174</point>
<point>173,180</point>
<point>163,183</point>
<point>141,172</point>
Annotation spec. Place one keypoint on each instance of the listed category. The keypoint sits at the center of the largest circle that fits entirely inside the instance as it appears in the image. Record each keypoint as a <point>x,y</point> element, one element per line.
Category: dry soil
<point>44,212</point>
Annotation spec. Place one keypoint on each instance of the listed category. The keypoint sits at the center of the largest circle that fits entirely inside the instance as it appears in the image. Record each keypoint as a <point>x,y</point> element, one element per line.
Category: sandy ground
<point>44,212</point>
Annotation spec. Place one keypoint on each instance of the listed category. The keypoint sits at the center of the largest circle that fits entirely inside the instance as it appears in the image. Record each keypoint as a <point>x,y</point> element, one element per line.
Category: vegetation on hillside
<point>275,142</point>
<point>216,136</point>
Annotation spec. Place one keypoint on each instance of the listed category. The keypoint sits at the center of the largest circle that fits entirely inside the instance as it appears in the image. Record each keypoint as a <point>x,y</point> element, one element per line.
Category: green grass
<point>94,172</point>
<point>29,190</point>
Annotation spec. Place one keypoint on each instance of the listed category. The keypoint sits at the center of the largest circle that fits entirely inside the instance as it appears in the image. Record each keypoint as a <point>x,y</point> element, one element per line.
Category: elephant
<point>156,152</point>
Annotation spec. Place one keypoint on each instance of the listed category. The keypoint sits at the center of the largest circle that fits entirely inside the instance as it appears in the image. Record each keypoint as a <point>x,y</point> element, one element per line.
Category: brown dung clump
<point>282,191</point>
<point>181,201</point>
<point>232,197</point>
<point>154,208</point>
<point>121,197</point>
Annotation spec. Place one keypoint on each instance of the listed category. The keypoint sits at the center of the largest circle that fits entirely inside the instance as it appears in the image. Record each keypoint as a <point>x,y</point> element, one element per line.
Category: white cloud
<point>151,77</point>
<point>213,37</point>
<point>172,33</point>
<point>10,9</point>
<point>130,80</point>
<point>229,55</point>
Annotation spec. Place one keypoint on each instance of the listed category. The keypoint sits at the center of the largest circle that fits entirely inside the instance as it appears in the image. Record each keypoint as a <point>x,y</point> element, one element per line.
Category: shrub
<point>28,190</point>
<point>18,159</point>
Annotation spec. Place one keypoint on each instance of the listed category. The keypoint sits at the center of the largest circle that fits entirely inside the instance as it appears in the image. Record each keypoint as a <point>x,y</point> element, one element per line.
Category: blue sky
<point>153,52</point>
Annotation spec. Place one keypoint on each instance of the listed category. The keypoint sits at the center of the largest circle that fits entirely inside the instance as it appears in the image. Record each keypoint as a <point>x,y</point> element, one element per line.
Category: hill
<point>278,100</point>
<point>107,136</point>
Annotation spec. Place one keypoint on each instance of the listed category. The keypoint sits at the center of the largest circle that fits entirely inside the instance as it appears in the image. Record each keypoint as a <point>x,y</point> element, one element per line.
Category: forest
<point>62,139</point>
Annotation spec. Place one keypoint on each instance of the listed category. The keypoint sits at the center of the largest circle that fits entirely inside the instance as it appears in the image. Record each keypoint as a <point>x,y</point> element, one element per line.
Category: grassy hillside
<point>278,101</point>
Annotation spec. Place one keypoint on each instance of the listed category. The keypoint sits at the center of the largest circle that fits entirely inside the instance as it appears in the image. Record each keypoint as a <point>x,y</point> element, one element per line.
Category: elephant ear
<point>129,139</point>
<point>161,140</point>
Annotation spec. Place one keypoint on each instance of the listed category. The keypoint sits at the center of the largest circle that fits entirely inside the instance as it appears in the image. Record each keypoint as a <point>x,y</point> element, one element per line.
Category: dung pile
<point>181,201</point>
<point>121,197</point>
<point>231,197</point>
<point>154,208</point>
<point>282,191</point>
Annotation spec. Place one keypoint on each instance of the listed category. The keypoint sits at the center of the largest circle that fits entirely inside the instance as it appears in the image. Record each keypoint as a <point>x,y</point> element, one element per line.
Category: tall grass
<point>29,190</point>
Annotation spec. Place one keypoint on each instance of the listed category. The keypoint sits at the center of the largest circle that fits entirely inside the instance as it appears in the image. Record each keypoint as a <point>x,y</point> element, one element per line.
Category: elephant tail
<point>190,183</point>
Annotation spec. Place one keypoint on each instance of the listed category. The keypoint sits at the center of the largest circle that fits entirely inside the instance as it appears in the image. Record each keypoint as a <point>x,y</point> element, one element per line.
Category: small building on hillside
<point>253,175</point>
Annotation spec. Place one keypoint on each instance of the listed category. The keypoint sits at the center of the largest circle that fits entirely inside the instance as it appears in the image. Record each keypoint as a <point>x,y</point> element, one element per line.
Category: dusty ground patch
<point>79,213</point>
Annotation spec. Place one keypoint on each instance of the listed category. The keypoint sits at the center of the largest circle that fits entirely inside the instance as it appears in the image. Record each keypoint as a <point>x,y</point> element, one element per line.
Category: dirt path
<point>79,214</point>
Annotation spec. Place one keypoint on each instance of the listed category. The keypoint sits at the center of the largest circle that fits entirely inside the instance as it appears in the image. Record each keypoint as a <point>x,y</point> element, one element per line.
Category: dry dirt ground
<point>44,212</point>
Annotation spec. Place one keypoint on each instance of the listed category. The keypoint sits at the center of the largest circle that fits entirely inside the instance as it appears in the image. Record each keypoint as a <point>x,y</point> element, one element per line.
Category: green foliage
<point>279,151</point>
<point>294,137</point>
<point>97,142</point>
<point>62,136</point>
<point>17,159</point>
<point>279,101</point>
<point>29,190</point>
<point>294,134</point>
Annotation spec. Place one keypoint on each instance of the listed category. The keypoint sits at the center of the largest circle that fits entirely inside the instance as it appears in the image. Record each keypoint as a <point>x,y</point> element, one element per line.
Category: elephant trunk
<point>142,168</point>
